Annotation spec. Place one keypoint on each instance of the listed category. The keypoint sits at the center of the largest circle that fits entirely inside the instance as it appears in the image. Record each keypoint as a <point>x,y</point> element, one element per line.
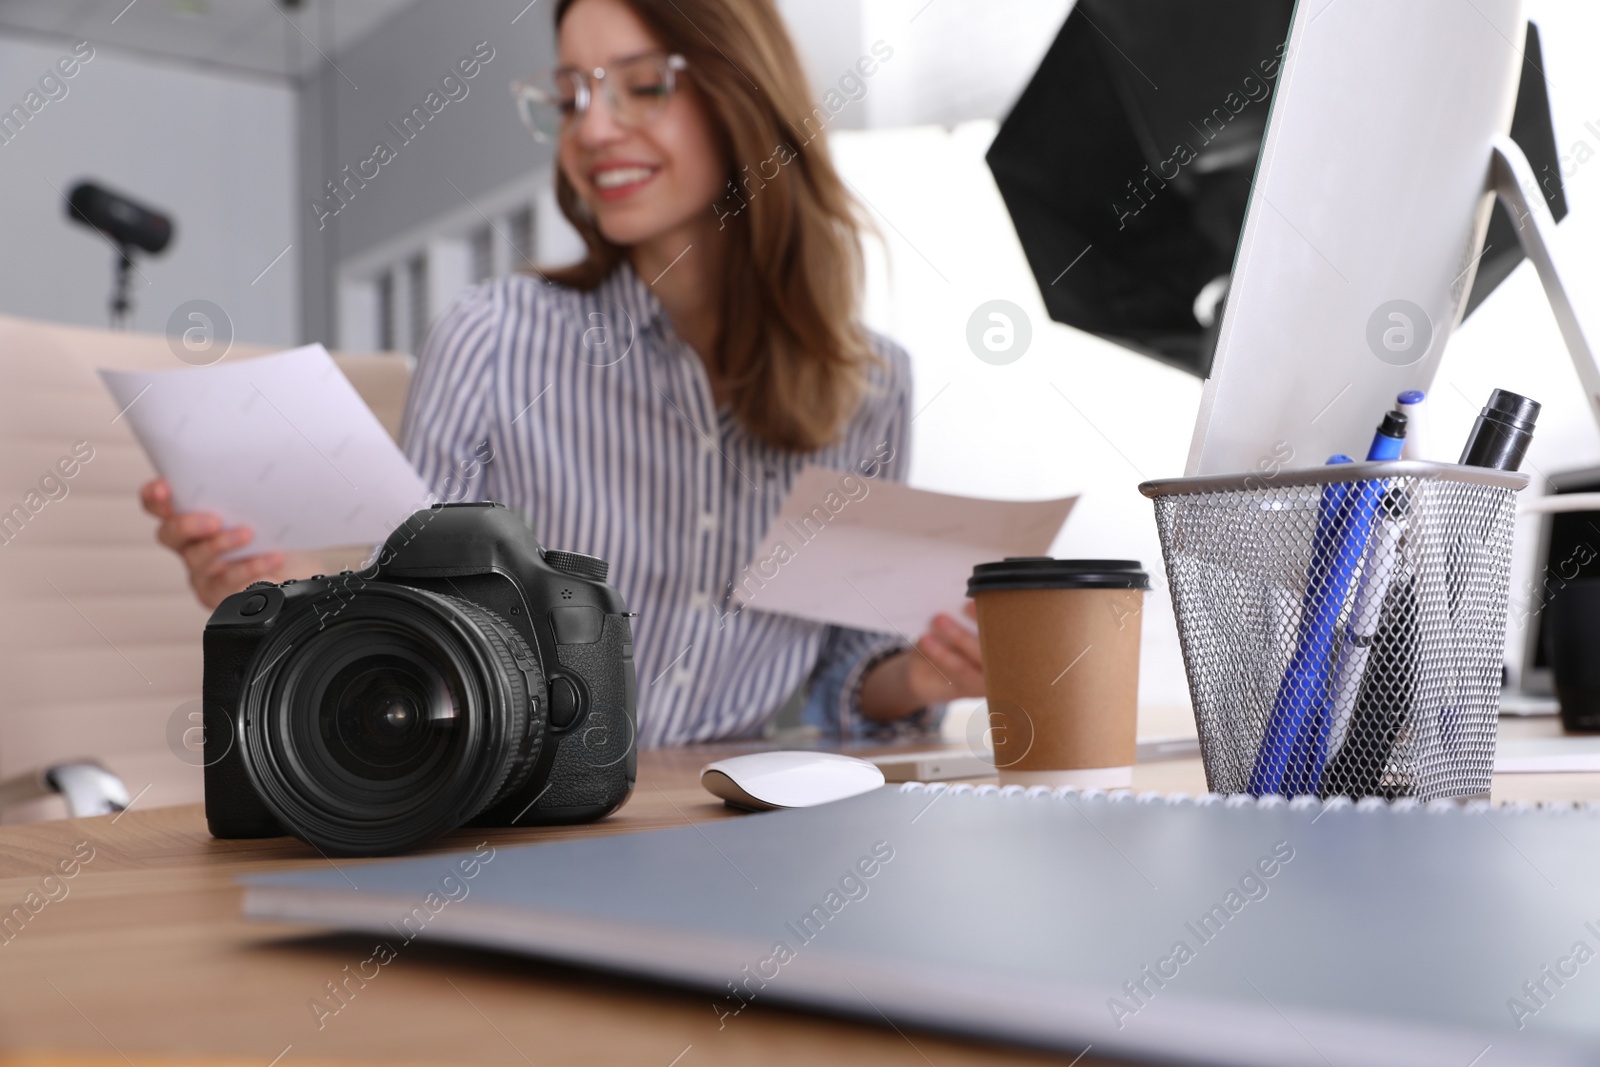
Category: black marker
<point>1501,435</point>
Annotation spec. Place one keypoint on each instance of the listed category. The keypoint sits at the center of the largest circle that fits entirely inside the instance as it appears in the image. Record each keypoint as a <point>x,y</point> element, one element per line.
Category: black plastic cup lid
<point>1043,572</point>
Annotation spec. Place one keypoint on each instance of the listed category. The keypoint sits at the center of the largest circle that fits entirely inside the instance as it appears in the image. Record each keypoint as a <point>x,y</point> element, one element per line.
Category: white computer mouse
<point>763,781</point>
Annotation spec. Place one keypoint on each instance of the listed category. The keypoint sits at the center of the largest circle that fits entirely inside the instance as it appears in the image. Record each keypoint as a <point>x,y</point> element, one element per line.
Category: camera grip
<point>596,761</point>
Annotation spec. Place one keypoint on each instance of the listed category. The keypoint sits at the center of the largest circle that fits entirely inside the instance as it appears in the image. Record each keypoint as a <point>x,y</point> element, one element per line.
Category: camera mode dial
<point>577,564</point>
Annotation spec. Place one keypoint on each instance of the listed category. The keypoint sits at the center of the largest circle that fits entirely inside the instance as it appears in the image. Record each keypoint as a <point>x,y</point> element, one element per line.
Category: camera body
<point>469,677</point>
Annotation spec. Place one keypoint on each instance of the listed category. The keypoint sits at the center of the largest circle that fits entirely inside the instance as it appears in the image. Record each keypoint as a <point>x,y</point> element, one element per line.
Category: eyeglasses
<point>636,90</point>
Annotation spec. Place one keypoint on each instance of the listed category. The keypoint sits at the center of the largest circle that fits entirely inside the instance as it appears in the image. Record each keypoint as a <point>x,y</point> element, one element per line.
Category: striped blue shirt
<point>603,431</point>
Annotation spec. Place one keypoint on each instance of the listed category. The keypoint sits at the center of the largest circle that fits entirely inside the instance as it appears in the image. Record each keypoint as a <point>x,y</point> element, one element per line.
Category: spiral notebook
<point>1208,931</point>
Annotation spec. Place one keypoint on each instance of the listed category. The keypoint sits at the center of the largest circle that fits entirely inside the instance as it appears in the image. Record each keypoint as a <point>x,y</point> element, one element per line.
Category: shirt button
<point>707,445</point>
<point>700,601</point>
<point>682,676</point>
<point>708,521</point>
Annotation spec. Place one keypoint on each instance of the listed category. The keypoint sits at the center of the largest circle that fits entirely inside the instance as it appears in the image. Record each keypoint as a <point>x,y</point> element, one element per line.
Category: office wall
<point>470,150</point>
<point>215,151</point>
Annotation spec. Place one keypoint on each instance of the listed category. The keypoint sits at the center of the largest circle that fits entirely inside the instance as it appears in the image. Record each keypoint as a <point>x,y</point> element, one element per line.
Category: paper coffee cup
<point>1060,642</point>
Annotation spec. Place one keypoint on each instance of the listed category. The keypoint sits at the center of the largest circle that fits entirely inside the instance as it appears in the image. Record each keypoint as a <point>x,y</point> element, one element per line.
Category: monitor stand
<point>1511,178</point>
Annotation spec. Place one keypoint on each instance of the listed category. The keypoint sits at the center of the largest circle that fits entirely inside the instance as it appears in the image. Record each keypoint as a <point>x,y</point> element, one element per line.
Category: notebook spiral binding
<point>1245,800</point>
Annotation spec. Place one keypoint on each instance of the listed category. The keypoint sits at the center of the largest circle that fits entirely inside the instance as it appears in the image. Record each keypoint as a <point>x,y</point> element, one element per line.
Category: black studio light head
<point>126,223</point>
<point>129,226</point>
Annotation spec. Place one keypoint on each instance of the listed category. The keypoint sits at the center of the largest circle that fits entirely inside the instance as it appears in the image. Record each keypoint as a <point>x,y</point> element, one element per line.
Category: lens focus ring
<point>520,667</point>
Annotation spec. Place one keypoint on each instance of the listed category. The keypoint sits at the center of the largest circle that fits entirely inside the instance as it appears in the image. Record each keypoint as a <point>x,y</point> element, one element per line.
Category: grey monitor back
<point>1365,224</point>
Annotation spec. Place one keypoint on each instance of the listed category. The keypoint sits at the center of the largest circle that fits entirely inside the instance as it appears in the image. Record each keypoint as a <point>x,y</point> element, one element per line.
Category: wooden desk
<point>146,961</point>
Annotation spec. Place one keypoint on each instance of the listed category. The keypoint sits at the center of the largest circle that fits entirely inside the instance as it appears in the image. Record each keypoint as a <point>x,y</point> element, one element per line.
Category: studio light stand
<point>126,226</point>
<point>121,302</point>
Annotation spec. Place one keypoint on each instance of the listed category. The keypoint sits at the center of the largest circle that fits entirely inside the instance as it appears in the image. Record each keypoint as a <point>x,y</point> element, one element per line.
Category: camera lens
<point>386,715</point>
<point>400,715</point>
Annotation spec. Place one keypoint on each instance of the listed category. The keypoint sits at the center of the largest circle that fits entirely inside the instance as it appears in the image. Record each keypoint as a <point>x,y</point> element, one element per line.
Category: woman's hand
<point>945,665</point>
<point>199,538</point>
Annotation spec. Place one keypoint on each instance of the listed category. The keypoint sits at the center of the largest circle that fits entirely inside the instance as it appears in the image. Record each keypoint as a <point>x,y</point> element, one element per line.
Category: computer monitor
<point>1383,152</point>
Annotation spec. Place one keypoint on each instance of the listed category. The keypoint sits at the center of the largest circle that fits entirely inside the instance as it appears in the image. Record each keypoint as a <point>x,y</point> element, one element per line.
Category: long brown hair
<point>791,353</point>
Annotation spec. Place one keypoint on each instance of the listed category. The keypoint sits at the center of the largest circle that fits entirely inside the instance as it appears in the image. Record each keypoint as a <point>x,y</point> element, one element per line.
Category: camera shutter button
<point>255,605</point>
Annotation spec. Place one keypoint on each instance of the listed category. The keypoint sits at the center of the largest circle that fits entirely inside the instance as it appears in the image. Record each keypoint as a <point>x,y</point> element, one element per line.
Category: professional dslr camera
<point>470,676</point>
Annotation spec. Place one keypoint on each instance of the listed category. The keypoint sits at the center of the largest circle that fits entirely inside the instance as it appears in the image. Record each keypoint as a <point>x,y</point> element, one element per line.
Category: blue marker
<point>1390,440</point>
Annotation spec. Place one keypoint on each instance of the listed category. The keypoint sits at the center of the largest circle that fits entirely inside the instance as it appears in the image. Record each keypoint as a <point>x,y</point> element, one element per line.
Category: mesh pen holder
<point>1343,627</point>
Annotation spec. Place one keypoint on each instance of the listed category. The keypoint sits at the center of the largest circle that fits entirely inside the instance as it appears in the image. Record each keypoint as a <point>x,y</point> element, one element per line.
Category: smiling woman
<point>785,346</point>
<point>745,361</point>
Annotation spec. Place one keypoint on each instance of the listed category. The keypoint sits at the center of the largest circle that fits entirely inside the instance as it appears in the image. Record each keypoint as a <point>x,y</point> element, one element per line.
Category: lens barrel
<point>401,716</point>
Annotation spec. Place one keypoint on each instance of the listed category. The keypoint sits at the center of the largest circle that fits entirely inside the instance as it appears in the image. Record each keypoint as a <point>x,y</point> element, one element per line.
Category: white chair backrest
<point>100,636</point>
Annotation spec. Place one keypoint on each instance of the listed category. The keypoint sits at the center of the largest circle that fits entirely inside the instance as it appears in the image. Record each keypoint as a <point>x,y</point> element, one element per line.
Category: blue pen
<point>1366,502</point>
<point>1294,746</point>
<point>1305,680</point>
